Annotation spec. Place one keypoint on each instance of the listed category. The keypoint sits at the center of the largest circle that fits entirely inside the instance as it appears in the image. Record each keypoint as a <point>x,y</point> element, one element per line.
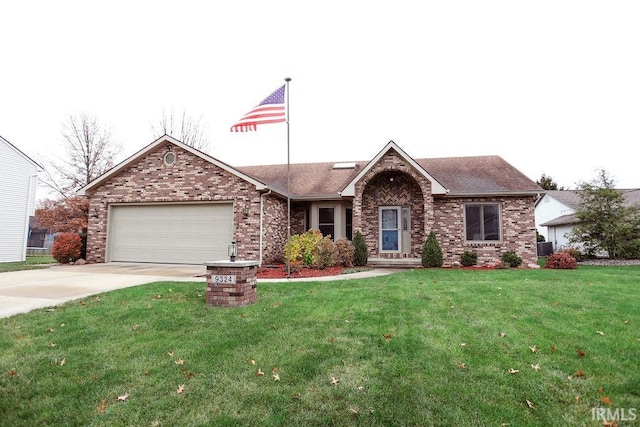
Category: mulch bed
<point>280,272</point>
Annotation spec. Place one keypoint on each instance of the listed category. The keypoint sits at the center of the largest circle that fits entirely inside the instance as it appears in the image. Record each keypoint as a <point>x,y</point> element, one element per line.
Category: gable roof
<point>29,159</point>
<point>163,140</point>
<point>436,187</point>
<point>569,198</point>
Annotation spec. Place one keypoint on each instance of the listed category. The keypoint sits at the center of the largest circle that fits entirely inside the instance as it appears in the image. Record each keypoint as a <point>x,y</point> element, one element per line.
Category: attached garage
<point>185,233</point>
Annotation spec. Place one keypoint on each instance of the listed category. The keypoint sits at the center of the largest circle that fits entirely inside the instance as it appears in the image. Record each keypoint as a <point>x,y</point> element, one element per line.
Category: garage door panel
<point>189,233</point>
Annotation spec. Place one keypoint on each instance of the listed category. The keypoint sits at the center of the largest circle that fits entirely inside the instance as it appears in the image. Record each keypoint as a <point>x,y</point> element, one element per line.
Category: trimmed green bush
<point>324,254</point>
<point>361,252</point>
<point>468,258</point>
<point>511,258</point>
<point>432,252</point>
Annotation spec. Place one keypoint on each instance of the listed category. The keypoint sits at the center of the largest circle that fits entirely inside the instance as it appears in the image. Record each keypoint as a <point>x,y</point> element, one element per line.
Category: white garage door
<point>177,233</point>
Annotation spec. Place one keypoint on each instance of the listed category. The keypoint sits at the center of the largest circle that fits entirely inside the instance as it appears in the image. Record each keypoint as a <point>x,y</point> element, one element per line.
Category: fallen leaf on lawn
<point>536,366</point>
<point>580,374</point>
<point>577,399</point>
<point>50,329</point>
<point>580,353</point>
<point>513,371</point>
<point>612,423</point>
<point>179,362</point>
<point>462,365</point>
<point>276,377</point>
<point>51,345</point>
<point>134,327</point>
<point>533,349</point>
<point>102,407</point>
<point>388,336</point>
<point>259,373</point>
<point>331,340</point>
<point>529,404</point>
<point>600,333</point>
<point>253,362</point>
<point>606,400</point>
<point>354,411</point>
<point>170,353</point>
<point>463,344</point>
<point>360,388</point>
<point>502,334</point>
<point>180,388</point>
<point>553,348</point>
<point>157,297</point>
<point>555,303</point>
<point>334,381</point>
<point>82,303</point>
<point>12,373</point>
<point>63,361</point>
<point>626,322</point>
<point>62,325</point>
<point>123,397</point>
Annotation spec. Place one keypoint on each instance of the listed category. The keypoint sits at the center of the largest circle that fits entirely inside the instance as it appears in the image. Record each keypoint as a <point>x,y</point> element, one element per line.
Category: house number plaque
<point>224,279</point>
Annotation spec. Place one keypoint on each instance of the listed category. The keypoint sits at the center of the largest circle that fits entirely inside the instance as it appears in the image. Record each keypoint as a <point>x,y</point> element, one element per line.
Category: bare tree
<point>89,151</point>
<point>188,129</point>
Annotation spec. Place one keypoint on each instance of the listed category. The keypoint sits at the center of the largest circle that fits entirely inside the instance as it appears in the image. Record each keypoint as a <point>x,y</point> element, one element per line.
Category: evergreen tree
<point>361,253</point>
<point>432,252</point>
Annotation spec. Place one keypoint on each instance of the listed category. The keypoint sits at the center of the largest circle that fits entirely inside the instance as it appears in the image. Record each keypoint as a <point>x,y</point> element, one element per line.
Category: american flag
<point>270,110</point>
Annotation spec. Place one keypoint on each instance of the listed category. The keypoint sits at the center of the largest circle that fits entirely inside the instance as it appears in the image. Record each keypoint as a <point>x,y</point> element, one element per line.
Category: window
<point>482,222</point>
<point>326,222</point>
<point>349,224</point>
<point>390,229</point>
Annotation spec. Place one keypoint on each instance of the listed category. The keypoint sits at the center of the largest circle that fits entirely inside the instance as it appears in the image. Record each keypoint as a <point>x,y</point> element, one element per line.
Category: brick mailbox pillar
<point>231,283</point>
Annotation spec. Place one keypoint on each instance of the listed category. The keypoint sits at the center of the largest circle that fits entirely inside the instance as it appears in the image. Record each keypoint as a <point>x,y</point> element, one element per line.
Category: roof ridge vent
<point>345,165</point>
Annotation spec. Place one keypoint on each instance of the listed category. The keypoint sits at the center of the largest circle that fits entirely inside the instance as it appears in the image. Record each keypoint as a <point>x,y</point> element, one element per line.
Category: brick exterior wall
<point>189,179</point>
<point>518,230</point>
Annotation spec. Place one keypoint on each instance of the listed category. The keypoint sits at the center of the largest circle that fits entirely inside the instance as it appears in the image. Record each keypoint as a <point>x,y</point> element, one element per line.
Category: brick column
<point>231,284</point>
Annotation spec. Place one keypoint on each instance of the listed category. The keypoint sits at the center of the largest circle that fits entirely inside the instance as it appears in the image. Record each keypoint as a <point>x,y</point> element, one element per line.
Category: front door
<point>395,229</point>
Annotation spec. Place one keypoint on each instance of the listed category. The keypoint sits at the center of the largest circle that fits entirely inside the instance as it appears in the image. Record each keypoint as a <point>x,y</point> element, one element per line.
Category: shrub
<point>360,253</point>
<point>574,253</point>
<point>468,258</point>
<point>302,246</point>
<point>432,252</point>
<point>344,252</point>
<point>324,253</point>
<point>561,260</point>
<point>67,248</point>
<point>511,258</point>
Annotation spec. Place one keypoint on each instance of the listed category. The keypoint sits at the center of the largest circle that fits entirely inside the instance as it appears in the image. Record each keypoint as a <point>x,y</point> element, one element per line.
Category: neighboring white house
<point>18,180</point>
<point>555,214</point>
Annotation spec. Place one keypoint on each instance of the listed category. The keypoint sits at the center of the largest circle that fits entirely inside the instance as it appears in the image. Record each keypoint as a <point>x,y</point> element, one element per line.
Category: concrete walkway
<point>23,291</point>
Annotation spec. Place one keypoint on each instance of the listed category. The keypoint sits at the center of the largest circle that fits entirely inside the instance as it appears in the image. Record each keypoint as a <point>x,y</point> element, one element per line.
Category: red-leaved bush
<point>66,247</point>
<point>561,260</point>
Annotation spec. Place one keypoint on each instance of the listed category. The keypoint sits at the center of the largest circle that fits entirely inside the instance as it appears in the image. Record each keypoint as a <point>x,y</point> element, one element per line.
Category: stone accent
<point>240,293</point>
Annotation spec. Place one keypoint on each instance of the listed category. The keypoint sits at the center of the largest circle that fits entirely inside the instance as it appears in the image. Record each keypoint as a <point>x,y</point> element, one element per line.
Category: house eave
<point>494,194</point>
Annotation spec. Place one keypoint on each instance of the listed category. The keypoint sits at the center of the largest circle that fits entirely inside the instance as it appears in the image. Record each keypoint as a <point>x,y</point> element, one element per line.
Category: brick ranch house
<point>170,203</point>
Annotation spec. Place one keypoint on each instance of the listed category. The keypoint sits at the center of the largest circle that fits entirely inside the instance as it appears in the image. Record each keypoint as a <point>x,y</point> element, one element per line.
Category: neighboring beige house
<point>555,214</point>
<point>172,203</point>
<point>18,180</point>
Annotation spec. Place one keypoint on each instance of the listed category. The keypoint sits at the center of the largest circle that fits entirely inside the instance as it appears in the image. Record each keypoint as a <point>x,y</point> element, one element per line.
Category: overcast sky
<point>553,87</point>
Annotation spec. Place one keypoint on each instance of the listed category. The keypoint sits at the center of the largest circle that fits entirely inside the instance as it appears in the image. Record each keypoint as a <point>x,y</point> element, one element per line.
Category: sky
<point>553,87</point>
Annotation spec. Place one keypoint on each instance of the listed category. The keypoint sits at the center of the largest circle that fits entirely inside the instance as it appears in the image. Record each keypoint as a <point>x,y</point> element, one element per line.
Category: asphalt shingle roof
<point>460,175</point>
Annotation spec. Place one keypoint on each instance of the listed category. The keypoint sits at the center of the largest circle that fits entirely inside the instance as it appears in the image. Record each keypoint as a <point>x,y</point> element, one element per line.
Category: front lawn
<point>32,262</point>
<point>422,347</point>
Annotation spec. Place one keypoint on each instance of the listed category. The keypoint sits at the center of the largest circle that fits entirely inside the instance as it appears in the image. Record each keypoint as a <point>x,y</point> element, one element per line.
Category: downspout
<point>261,220</point>
<point>28,209</point>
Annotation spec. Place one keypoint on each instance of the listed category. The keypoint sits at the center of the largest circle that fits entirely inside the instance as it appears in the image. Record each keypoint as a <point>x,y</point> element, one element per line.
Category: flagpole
<point>287,80</point>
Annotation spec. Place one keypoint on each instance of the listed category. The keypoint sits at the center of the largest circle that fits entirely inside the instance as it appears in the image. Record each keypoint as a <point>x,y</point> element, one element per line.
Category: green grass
<point>32,263</point>
<point>418,348</point>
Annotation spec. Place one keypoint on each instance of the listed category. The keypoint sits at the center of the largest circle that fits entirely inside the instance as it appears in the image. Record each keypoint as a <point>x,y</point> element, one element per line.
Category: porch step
<point>395,262</point>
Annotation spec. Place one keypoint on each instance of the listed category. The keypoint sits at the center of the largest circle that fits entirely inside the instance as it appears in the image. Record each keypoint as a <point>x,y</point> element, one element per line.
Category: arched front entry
<point>393,215</point>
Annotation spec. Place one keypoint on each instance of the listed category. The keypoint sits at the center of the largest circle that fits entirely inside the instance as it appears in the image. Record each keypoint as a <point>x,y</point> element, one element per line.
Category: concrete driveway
<point>23,291</point>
